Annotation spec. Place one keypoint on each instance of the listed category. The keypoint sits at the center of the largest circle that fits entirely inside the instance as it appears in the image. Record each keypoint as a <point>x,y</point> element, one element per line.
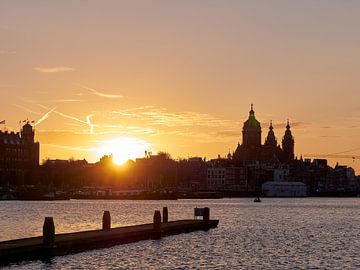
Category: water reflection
<point>275,234</point>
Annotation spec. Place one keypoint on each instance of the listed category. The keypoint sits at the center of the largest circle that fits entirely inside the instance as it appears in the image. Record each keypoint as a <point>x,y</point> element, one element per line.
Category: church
<point>251,148</point>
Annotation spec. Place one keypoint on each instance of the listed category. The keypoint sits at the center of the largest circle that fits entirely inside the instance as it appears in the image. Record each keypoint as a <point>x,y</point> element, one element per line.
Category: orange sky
<point>180,76</point>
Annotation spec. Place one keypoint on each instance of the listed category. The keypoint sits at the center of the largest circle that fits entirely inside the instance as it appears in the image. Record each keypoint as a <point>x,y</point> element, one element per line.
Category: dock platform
<point>66,243</point>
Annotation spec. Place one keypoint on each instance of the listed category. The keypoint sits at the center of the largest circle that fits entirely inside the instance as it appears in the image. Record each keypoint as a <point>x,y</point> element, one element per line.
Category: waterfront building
<point>284,189</point>
<point>216,177</point>
<point>155,172</point>
<point>19,156</point>
<point>223,175</point>
<point>191,174</point>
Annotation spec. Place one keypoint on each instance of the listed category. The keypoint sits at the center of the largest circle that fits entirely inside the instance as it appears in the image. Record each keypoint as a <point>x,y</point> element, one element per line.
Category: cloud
<point>3,52</point>
<point>26,109</point>
<point>100,94</point>
<point>44,117</point>
<point>162,117</point>
<point>346,151</point>
<point>65,100</point>
<point>297,124</point>
<point>53,69</point>
<point>72,148</point>
<point>7,85</point>
<point>229,133</point>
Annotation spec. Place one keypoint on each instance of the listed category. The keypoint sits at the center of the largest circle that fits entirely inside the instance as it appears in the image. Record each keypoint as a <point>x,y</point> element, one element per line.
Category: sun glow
<point>123,149</point>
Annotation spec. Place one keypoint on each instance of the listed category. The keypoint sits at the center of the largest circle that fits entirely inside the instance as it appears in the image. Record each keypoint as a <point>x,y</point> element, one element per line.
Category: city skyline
<point>182,78</point>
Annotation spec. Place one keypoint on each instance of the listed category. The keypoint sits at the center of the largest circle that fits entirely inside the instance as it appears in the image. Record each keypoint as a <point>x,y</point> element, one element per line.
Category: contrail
<point>44,117</point>
<point>100,94</point>
<point>70,117</point>
<point>26,109</point>
<point>88,120</point>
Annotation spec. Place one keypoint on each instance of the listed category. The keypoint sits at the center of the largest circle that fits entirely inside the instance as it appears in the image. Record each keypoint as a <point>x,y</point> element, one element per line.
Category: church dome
<point>251,123</point>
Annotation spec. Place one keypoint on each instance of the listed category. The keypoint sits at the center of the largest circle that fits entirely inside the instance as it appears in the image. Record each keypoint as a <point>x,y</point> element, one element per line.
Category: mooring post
<point>206,216</point>
<point>106,220</point>
<point>157,225</point>
<point>49,231</point>
<point>165,215</point>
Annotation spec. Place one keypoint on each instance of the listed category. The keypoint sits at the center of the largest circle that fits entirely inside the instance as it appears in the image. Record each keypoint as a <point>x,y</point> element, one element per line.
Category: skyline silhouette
<point>179,77</point>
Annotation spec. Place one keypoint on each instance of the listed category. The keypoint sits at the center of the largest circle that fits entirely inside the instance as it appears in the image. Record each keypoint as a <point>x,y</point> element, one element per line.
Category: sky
<point>179,76</point>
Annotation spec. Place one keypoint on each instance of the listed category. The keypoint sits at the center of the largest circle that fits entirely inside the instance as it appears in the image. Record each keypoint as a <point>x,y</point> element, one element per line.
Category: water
<point>304,233</point>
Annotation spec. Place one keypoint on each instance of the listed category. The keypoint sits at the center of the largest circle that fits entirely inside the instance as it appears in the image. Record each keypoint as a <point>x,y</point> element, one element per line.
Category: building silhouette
<point>19,156</point>
<point>252,149</point>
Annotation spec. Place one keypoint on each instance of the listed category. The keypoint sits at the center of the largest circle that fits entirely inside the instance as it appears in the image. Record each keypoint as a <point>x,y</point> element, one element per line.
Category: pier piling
<point>206,216</point>
<point>106,220</point>
<point>157,225</point>
<point>165,215</point>
<point>49,231</point>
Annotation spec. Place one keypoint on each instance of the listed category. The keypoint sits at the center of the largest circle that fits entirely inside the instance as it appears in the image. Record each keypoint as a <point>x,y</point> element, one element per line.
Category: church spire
<point>270,139</point>
<point>251,112</point>
<point>288,143</point>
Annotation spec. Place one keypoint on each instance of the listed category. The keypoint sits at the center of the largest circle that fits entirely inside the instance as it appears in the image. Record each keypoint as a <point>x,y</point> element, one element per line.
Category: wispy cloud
<point>162,117</point>
<point>2,52</point>
<point>7,85</point>
<point>65,100</point>
<point>44,117</point>
<point>72,148</point>
<point>297,124</point>
<point>100,94</point>
<point>26,109</point>
<point>53,69</point>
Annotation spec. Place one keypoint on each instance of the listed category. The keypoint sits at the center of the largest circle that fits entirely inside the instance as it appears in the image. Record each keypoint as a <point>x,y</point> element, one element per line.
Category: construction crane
<point>353,157</point>
<point>341,155</point>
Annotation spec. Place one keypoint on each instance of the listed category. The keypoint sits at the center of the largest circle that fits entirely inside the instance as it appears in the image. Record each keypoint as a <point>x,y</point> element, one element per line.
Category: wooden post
<point>157,225</point>
<point>49,231</point>
<point>165,215</point>
<point>106,220</point>
<point>206,216</point>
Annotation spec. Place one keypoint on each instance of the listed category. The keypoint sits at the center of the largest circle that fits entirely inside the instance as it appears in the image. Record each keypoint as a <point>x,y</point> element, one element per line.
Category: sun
<point>123,149</point>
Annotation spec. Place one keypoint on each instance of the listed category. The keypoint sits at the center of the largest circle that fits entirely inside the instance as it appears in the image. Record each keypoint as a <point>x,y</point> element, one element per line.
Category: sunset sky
<point>179,76</point>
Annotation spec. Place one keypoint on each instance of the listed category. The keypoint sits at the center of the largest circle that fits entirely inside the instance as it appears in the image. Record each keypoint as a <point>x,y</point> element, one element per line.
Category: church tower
<point>288,144</point>
<point>251,131</point>
<point>270,140</point>
<point>27,134</point>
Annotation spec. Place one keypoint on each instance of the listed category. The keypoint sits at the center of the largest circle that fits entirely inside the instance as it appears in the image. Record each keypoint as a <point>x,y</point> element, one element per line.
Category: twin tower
<point>252,149</point>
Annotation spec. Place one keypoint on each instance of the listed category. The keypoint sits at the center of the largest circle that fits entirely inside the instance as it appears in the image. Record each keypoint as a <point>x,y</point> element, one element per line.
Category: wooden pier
<point>51,244</point>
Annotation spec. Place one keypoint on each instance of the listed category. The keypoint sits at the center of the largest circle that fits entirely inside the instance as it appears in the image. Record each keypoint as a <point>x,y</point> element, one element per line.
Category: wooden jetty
<point>51,244</point>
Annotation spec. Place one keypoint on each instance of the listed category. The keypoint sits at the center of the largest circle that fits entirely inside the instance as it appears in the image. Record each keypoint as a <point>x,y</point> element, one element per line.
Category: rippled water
<point>304,233</point>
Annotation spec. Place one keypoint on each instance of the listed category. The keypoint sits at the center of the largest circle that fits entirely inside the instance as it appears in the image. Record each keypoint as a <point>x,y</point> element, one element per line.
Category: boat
<point>257,199</point>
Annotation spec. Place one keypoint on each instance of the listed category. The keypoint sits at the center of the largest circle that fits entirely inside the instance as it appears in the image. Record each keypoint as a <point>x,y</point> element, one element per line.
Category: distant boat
<point>257,199</point>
